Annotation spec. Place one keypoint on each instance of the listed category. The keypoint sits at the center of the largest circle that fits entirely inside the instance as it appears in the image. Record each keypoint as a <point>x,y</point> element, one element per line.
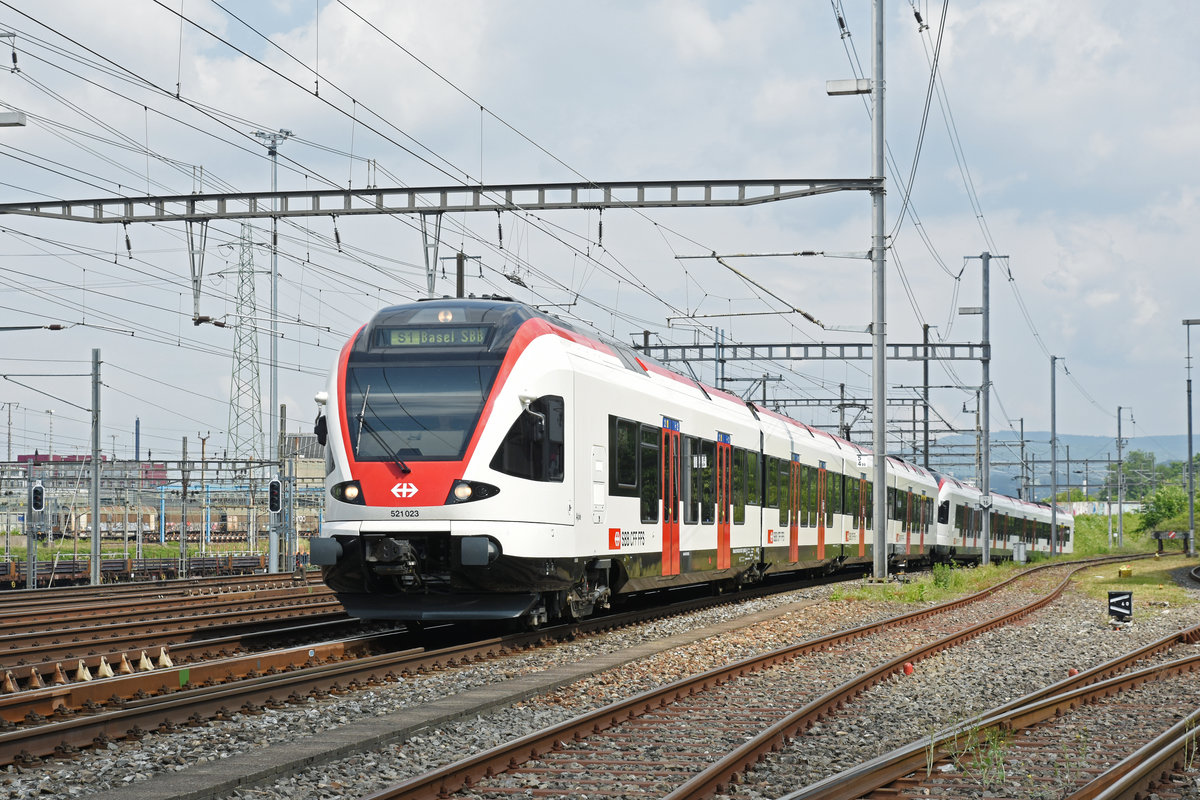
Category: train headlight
<point>348,492</point>
<point>469,491</point>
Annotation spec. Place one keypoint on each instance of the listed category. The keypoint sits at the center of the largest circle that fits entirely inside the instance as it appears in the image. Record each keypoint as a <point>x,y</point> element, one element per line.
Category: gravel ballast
<point>992,669</point>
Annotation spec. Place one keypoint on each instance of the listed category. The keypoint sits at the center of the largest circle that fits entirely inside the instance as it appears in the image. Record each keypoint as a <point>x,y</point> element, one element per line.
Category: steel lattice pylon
<point>245,397</point>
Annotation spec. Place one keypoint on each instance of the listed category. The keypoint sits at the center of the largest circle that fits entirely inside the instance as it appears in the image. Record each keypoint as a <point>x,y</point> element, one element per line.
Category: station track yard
<point>421,736</point>
<point>71,635</point>
<point>61,706</point>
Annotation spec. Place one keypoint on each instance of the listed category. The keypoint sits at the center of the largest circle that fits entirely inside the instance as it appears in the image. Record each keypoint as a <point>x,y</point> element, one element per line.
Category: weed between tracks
<point>942,583</point>
<point>978,754</point>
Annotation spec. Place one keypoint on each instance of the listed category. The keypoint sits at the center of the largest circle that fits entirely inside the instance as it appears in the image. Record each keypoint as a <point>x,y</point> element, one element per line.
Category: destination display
<point>434,336</point>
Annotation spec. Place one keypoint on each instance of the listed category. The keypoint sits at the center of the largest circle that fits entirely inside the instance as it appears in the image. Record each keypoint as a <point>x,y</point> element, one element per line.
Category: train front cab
<point>449,447</point>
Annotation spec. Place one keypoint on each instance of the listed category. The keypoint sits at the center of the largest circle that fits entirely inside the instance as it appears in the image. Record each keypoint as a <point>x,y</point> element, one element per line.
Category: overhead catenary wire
<point>611,263</point>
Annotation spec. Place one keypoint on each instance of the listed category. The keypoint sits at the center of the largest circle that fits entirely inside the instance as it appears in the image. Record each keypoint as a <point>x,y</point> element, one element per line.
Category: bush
<point>943,575</point>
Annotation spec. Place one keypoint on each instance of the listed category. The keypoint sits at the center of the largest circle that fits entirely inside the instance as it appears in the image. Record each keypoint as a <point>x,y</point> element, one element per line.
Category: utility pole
<point>183,511</point>
<point>978,447</point>
<point>203,493</point>
<point>925,393</point>
<point>10,405</point>
<point>1108,495</point>
<point>878,301</point>
<point>1024,467</point>
<point>1120,482</point>
<point>30,528</point>
<point>1192,500</point>
<point>875,87</point>
<point>272,141</point>
<point>95,566</point>
<point>1053,462</point>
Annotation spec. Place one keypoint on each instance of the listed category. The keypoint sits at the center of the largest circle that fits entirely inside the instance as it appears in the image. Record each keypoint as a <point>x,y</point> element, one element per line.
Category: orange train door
<point>670,497</point>
<point>724,495</point>
<point>797,487</point>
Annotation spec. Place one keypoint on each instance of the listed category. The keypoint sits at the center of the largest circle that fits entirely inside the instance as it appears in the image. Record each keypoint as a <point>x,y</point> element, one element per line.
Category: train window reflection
<point>414,411</point>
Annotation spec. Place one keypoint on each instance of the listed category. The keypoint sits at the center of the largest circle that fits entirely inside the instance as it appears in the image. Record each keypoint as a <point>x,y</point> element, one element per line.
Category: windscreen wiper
<point>362,417</point>
<point>363,424</point>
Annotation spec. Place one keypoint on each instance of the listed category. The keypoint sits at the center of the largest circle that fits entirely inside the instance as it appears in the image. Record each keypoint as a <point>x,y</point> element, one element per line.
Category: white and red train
<point>485,460</point>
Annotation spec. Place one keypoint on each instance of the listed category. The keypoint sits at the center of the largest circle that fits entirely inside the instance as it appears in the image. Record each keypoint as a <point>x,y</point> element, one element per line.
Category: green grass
<point>1091,536</point>
<point>1150,580</point>
<point>940,584</point>
<point>69,549</point>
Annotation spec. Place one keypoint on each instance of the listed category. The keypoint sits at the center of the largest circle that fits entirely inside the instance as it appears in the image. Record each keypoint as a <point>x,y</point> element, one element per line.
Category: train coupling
<point>398,554</point>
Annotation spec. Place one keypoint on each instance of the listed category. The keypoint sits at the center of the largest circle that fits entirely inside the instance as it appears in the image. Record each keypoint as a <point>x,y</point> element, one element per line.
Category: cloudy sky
<point>1061,135</point>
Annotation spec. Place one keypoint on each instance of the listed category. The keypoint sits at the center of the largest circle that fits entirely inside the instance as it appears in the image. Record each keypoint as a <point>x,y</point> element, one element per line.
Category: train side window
<point>708,482</point>
<point>785,493</point>
<point>853,495</point>
<point>805,499</point>
<point>622,457</point>
<point>837,492</point>
<point>771,477</point>
<point>830,477</point>
<point>650,473</point>
<point>533,447</point>
<point>691,504</point>
<point>869,504</point>
<point>753,487</point>
<point>811,491</point>
<point>739,486</point>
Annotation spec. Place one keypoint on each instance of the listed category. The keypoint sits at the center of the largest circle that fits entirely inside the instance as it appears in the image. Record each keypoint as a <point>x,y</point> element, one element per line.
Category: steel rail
<point>463,773</point>
<point>150,634</point>
<point>717,775</point>
<point>181,705</point>
<point>1146,770</point>
<point>66,596</point>
<point>65,620</point>
<point>34,706</point>
<point>878,772</point>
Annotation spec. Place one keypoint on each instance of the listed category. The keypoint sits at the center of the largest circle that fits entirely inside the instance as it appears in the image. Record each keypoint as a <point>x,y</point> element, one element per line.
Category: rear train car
<point>1019,528</point>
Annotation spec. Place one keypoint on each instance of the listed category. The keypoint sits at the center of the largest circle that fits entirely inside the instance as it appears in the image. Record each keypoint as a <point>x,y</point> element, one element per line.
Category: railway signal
<point>38,498</point>
<point>275,496</point>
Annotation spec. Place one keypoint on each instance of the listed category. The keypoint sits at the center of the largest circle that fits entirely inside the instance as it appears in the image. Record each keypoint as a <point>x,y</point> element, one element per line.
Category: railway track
<point>52,638</point>
<point>224,776</point>
<point>58,720</point>
<point>1077,739</point>
<point>661,743</point>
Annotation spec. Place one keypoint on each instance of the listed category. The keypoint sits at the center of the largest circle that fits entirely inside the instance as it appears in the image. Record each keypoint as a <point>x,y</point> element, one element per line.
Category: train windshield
<point>417,411</point>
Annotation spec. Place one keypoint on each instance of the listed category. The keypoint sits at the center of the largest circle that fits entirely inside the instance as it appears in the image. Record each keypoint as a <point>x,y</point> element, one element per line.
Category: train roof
<point>508,315</point>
